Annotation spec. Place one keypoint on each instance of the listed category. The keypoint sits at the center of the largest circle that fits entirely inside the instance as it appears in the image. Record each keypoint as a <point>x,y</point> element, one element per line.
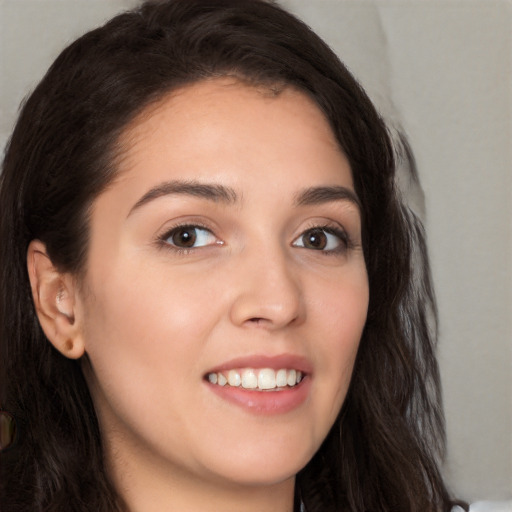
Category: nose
<point>268,292</point>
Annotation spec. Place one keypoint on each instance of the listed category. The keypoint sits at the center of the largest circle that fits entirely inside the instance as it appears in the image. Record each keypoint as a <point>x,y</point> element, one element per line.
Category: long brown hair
<point>384,450</point>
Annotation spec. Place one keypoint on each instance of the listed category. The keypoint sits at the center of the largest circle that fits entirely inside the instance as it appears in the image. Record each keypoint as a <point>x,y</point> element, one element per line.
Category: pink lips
<point>265,402</point>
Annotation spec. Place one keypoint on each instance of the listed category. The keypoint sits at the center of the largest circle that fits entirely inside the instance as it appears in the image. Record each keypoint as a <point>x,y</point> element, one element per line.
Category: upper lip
<point>288,361</point>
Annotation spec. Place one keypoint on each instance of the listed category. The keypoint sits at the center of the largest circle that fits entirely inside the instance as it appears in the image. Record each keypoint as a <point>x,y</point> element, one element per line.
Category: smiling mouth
<point>264,379</point>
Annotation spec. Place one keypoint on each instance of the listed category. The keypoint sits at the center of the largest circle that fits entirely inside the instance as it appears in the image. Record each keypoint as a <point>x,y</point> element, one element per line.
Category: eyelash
<point>345,242</point>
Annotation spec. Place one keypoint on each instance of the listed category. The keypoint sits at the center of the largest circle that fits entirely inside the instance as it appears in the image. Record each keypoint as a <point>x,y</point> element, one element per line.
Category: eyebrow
<point>220,193</point>
<point>326,194</point>
<point>212,192</point>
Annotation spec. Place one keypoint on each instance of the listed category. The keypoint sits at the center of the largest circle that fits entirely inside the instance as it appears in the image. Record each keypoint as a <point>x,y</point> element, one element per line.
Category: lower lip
<point>265,402</point>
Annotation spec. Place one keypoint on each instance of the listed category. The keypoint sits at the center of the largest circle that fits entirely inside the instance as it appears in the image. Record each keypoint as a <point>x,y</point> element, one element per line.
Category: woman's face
<point>229,248</point>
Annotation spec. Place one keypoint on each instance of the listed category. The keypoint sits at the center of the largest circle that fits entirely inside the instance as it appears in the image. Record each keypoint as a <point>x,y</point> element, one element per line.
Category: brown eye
<point>188,237</point>
<point>314,239</point>
<point>326,239</point>
<point>184,237</point>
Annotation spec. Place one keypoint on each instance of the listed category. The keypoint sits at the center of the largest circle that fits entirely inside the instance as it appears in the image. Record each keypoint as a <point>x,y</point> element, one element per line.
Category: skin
<point>153,320</point>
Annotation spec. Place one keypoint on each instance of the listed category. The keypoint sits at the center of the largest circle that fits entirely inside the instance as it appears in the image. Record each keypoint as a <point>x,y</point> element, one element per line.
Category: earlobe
<point>54,295</point>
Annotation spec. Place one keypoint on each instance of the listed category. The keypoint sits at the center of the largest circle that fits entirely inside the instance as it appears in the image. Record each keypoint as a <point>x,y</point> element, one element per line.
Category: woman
<point>207,298</point>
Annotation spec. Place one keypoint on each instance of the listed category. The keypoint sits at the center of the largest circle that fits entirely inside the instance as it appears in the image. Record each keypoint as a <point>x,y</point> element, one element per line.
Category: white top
<point>491,506</point>
<point>481,506</point>
<point>488,506</point>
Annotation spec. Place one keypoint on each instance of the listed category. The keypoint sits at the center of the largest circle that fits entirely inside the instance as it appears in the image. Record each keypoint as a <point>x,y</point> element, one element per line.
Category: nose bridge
<point>268,288</point>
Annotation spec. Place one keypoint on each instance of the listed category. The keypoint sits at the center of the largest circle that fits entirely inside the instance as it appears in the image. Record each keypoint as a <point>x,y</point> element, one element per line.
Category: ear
<point>55,298</point>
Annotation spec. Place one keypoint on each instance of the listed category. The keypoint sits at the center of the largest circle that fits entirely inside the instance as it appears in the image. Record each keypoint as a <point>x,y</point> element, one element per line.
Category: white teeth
<point>263,379</point>
<point>234,378</point>
<point>249,379</point>
<point>281,380</point>
<point>267,379</point>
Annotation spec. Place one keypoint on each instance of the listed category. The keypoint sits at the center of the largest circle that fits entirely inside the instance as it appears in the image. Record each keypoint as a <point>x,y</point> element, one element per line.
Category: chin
<point>260,465</point>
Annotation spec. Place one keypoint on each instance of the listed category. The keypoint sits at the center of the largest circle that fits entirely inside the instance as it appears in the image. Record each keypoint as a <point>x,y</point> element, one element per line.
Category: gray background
<point>442,71</point>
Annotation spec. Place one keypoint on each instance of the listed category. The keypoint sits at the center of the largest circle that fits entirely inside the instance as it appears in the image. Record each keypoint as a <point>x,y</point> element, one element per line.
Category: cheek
<point>341,317</point>
<point>144,339</point>
<point>348,314</point>
<point>145,332</point>
<point>148,306</point>
<point>340,304</point>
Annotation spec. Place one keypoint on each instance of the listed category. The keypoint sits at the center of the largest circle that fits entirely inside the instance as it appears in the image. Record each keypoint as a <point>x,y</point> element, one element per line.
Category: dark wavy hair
<point>383,452</point>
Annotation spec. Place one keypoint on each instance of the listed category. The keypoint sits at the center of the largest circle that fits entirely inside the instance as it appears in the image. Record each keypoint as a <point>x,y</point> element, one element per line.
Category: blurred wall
<point>442,70</point>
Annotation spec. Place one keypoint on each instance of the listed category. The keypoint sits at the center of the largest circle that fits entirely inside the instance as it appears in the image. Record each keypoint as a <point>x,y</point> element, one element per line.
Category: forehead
<point>205,111</point>
<point>224,131</point>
